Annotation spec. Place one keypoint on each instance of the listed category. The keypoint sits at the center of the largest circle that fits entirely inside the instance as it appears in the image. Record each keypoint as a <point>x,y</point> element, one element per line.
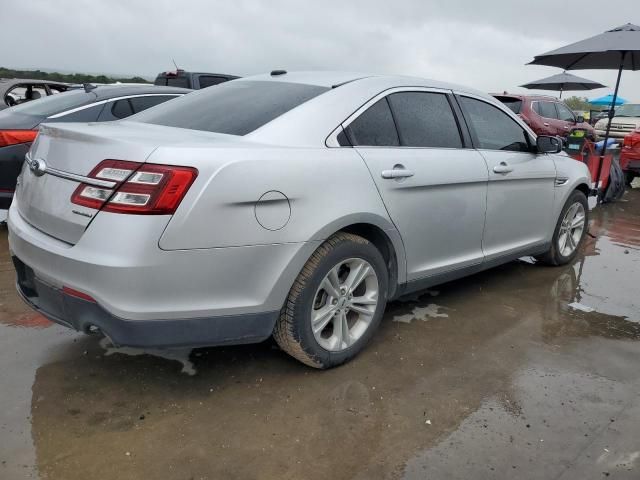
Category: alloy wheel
<point>344,304</point>
<point>571,229</point>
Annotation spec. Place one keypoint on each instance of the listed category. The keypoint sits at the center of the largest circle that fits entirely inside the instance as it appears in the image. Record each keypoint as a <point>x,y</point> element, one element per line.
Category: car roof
<point>333,79</point>
<point>104,92</point>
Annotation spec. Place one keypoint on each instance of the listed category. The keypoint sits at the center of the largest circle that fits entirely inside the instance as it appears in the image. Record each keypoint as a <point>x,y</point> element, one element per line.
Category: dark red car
<point>545,115</point>
<point>630,156</point>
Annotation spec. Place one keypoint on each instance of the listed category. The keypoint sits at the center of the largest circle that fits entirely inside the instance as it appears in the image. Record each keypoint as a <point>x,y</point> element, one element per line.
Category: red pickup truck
<point>630,156</point>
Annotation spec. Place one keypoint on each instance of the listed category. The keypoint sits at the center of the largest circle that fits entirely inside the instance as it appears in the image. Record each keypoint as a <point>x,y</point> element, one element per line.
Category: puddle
<point>25,320</point>
<point>421,313</point>
<point>178,355</point>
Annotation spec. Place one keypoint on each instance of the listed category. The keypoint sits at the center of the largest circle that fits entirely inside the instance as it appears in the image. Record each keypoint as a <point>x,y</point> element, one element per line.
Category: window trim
<point>114,99</point>
<point>332,139</point>
<point>532,136</point>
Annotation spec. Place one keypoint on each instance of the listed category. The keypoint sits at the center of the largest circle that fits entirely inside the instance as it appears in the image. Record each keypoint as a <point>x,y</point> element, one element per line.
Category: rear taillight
<point>14,137</point>
<point>140,188</point>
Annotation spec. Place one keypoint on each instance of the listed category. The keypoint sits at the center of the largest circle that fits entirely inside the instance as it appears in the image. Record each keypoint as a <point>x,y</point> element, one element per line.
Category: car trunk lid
<point>62,157</point>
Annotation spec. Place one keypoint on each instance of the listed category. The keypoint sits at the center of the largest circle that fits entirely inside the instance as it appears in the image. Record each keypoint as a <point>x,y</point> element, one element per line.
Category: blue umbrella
<point>606,100</point>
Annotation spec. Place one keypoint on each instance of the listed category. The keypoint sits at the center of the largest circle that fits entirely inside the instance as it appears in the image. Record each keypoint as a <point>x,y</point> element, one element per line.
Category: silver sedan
<point>288,204</point>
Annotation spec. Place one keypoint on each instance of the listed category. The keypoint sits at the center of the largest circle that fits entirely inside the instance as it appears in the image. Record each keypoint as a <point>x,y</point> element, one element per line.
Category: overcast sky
<point>481,43</point>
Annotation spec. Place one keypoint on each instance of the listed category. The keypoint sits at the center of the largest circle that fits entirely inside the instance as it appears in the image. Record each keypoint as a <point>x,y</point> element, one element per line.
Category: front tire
<point>570,231</point>
<point>335,304</point>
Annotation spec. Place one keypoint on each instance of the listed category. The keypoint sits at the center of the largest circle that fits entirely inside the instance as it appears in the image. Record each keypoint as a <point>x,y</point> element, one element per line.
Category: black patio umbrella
<point>562,82</point>
<point>617,49</point>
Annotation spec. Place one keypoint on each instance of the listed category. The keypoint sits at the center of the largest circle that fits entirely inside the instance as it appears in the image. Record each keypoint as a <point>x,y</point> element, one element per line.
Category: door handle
<point>545,124</point>
<point>398,172</point>
<point>503,167</point>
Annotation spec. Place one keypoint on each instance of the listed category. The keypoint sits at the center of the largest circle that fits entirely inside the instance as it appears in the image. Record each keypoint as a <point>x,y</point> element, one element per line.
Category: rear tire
<point>570,231</point>
<point>336,303</point>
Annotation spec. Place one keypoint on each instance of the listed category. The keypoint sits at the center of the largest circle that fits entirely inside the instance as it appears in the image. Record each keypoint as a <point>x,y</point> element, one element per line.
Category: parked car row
<point>292,205</point>
<point>546,115</point>
<point>19,125</point>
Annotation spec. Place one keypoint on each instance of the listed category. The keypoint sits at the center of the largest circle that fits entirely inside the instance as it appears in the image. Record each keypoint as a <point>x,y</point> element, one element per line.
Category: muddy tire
<point>571,228</point>
<point>326,319</point>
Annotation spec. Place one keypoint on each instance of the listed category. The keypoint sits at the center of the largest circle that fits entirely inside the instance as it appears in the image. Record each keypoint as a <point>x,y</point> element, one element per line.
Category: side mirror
<point>548,144</point>
<point>579,119</point>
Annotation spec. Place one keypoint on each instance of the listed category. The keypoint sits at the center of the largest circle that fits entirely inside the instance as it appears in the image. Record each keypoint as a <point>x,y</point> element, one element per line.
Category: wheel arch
<point>383,234</point>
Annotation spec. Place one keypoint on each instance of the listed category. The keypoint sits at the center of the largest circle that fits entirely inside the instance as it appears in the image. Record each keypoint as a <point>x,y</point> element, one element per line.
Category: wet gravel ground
<point>521,372</point>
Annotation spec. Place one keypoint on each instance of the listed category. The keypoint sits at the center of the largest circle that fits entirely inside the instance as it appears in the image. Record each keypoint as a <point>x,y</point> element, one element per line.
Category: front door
<point>433,188</point>
<point>521,182</point>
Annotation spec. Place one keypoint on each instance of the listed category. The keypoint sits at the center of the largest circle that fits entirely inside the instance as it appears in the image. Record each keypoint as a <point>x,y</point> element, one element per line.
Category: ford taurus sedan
<point>292,205</point>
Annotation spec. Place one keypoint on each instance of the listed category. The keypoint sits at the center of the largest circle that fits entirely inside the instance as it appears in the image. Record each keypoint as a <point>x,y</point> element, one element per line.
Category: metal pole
<point>560,93</point>
<point>610,115</point>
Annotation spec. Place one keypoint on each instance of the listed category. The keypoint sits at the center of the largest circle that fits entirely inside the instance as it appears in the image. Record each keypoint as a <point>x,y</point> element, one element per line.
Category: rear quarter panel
<point>325,189</point>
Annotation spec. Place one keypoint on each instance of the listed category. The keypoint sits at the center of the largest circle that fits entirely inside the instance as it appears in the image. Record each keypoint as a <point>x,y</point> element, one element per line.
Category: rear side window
<point>374,127</point>
<point>181,81</point>
<point>209,80</point>
<point>425,120</point>
<point>492,129</point>
<point>514,104</point>
<point>235,108</point>
<point>89,114</point>
<point>140,104</point>
<point>121,108</point>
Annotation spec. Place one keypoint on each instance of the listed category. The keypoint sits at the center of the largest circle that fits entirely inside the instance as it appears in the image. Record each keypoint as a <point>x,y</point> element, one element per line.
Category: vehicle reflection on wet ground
<point>523,371</point>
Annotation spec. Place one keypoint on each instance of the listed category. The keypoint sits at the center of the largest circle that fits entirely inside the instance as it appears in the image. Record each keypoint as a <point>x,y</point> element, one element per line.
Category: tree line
<point>66,77</point>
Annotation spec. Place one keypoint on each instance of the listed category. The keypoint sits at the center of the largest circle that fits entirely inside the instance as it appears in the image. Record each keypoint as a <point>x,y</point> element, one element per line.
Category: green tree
<point>66,77</point>
<point>578,103</point>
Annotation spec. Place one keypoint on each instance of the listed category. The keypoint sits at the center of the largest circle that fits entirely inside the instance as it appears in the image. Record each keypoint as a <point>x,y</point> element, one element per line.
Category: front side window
<point>492,129</point>
<point>425,119</point>
<point>374,127</point>
<point>234,108</point>
<point>564,113</point>
<point>547,110</point>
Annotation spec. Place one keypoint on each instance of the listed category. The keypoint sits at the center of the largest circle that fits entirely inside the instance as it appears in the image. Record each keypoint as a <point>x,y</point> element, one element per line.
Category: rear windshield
<point>234,108</point>
<point>515,104</point>
<point>53,104</point>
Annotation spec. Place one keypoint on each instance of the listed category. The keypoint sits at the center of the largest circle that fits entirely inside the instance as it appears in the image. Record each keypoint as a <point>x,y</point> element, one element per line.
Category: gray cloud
<point>484,44</point>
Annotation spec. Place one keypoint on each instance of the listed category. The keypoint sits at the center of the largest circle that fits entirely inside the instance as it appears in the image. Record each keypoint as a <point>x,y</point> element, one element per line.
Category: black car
<point>19,124</point>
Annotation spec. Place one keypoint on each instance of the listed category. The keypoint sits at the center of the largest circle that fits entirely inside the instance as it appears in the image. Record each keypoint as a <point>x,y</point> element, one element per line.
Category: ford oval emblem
<point>37,166</point>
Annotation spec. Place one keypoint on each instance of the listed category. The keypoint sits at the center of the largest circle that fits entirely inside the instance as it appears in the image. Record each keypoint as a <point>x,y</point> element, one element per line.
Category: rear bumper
<point>146,296</point>
<point>82,315</point>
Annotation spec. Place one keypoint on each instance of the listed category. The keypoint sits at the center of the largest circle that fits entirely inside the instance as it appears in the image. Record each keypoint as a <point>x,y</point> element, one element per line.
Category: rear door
<point>550,116</point>
<point>433,187</point>
<point>521,183</point>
